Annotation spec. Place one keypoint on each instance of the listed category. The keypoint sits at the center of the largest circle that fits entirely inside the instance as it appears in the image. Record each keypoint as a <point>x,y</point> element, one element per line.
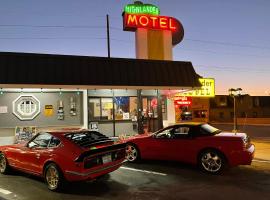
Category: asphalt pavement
<point>150,180</point>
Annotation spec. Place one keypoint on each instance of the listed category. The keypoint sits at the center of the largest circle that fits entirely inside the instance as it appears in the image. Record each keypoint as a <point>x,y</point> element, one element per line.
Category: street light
<point>235,93</point>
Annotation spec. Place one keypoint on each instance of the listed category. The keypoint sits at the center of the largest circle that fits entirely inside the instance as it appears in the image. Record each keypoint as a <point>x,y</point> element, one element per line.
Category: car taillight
<point>246,142</point>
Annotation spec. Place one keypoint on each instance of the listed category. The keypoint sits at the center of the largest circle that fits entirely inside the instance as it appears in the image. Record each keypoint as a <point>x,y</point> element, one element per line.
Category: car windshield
<point>210,129</point>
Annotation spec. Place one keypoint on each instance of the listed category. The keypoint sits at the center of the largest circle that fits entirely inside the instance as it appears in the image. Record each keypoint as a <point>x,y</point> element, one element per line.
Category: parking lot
<point>151,180</point>
<point>159,180</point>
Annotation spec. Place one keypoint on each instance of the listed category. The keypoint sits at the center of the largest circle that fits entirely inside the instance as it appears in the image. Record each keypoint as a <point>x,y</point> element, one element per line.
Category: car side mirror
<point>31,145</point>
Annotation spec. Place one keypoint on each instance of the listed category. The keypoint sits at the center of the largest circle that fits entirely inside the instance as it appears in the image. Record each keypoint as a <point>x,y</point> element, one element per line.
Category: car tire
<point>133,153</point>
<point>4,167</point>
<point>54,177</point>
<point>212,161</point>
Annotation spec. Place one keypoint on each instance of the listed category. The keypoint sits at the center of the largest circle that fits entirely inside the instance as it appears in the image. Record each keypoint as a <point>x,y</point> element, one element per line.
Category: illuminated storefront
<point>199,109</point>
<point>113,95</point>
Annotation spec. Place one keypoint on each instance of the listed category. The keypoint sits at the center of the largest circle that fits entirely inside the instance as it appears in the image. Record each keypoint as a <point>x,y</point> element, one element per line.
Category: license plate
<point>107,158</point>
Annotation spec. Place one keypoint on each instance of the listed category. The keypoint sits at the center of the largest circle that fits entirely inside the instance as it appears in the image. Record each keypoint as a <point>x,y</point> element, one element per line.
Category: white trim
<point>85,109</point>
<point>73,87</point>
<point>144,171</point>
<point>15,111</point>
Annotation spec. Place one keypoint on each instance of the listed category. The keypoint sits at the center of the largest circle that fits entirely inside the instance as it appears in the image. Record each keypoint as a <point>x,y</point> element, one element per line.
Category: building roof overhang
<point>31,70</point>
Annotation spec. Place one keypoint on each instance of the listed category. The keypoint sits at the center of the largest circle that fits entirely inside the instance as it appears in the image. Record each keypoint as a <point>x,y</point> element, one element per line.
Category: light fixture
<point>1,91</point>
<point>21,90</point>
<point>60,92</point>
<point>78,92</point>
<point>235,93</point>
<point>41,90</point>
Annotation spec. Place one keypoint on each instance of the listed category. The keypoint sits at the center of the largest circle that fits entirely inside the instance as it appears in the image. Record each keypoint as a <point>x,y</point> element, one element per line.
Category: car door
<point>37,153</point>
<point>183,143</point>
<point>158,146</point>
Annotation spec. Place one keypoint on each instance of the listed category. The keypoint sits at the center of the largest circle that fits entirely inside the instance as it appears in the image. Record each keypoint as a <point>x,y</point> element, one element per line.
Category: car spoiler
<point>100,150</point>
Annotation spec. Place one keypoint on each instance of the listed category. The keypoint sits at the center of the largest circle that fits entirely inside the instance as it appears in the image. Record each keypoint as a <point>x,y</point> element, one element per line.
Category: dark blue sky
<point>227,40</point>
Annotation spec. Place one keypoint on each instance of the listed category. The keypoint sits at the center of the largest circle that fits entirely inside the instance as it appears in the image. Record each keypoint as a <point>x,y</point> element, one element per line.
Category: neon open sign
<point>142,9</point>
<point>132,22</point>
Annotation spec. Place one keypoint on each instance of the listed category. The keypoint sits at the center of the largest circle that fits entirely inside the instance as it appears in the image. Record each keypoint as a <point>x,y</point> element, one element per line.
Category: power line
<point>119,29</point>
<point>234,69</point>
<point>228,44</point>
<point>52,38</point>
<point>51,26</point>
<point>226,53</point>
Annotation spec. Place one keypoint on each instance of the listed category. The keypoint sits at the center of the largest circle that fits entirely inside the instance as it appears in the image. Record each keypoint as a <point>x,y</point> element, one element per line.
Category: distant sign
<point>24,133</point>
<point>3,109</point>
<point>48,110</point>
<point>182,101</point>
<point>142,9</point>
<point>93,126</point>
<point>207,89</point>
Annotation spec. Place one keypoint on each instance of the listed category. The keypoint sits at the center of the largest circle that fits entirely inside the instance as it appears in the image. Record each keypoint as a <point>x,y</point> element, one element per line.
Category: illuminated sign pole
<point>155,35</point>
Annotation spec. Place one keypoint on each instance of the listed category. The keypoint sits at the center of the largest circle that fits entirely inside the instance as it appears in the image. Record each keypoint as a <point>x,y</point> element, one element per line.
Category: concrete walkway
<point>262,149</point>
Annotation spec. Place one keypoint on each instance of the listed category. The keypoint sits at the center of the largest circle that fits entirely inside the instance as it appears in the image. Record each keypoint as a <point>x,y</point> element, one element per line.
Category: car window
<point>40,141</point>
<point>87,138</point>
<point>181,131</point>
<point>54,142</point>
<point>165,133</point>
<point>207,129</point>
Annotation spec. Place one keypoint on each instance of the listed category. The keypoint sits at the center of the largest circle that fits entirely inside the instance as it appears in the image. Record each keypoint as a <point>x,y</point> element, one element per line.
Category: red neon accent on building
<point>132,22</point>
<point>182,101</point>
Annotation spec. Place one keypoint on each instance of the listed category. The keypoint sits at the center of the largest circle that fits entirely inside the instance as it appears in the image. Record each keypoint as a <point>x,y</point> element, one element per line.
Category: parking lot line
<point>4,191</point>
<point>262,161</point>
<point>144,171</point>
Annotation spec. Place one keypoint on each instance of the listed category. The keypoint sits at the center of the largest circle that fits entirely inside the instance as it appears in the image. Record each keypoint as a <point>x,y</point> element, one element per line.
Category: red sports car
<point>196,143</point>
<point>64,156</point>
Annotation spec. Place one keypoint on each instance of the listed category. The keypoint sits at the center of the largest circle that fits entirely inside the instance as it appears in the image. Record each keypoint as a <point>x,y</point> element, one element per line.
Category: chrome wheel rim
<point>211,162</point>
<point>132,153</point>
<point>52,177</point>
<point>3,163</point>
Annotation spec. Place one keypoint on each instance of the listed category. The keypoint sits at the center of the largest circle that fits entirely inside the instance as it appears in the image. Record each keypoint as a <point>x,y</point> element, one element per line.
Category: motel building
<point>115,96</point>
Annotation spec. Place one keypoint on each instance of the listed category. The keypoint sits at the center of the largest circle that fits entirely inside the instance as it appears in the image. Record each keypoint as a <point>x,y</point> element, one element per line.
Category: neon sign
<point>139,15</point>
<point>142,9</point>
<point>207,89</point>
<point>132,22</point>
<point>182,101</point>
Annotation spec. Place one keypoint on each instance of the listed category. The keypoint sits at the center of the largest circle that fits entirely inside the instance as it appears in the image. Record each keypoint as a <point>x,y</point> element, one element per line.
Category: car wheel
<point>54,177</point>
<point>211,161</point>
<point>4,168</point>
<point>133,153</point>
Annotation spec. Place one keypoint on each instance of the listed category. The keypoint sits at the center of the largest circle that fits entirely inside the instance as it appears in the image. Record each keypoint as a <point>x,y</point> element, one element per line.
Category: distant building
<point>249,109</point>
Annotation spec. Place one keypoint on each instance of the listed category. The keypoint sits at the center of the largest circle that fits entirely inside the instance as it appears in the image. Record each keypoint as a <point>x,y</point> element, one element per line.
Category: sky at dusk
<point>227,40</point>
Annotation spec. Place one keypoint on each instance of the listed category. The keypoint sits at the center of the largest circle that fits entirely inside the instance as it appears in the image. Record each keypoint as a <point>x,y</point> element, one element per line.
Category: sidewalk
<point>262,149</point>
